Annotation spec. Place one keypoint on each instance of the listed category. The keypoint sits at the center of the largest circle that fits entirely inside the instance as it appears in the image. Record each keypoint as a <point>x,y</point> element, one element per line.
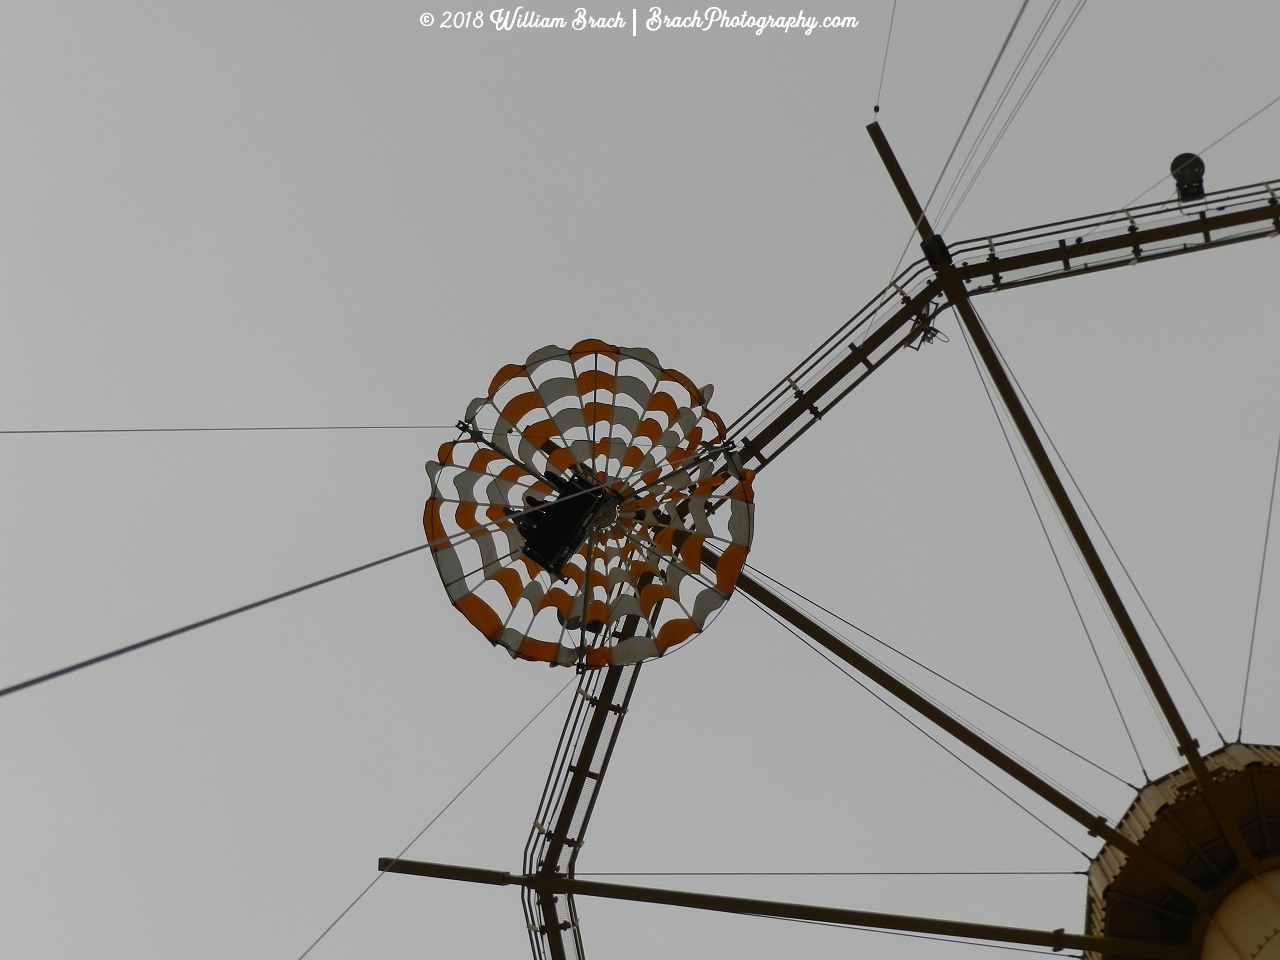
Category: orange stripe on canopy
<point>518,406</point>
<point>500,379</point>
<point>435,530</point>
<point>589,381</point>
<point>598,657</point>
<point>481,616</point>
<point>538,650</point>
<point>584,348</point>
<point>729,566</point>
<point>511,583</point>
<point>595,412</point>
<point>674,632</point>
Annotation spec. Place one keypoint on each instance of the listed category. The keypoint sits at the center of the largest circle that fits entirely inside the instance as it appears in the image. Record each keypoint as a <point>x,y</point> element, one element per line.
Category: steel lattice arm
<point>902,313</point>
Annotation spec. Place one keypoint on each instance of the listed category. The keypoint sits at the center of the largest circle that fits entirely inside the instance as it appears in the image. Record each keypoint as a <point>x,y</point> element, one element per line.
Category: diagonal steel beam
<point>953,285</point>
<point>1054,939</point>
<point>806,402</point>
<point>975,741</point>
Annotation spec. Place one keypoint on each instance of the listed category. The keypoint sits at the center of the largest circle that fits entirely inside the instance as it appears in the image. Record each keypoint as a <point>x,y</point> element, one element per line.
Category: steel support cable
<point>925,936</point>
<point>970,728</point>
<point>952,281</point>
<point>840,873</point>
<point>1057,561</point>
<point>1035,78</point>
<point>991,116</point>
<point>433,426</point>
<point>1114,552</point>
<point>972,110</point>
<point>944,678</point>
<point>943,172</point>
<point>1257,603</point>
<point>129,648</point>
<point>885,62</point>
<point>120,651</point>
<point>1054,551</point>
<point>1075,13</point>
<point>821,653</point>
<point>1128,576</point>
<point>438,815</point>
<point>995,109</point>
<point>1203,151</point>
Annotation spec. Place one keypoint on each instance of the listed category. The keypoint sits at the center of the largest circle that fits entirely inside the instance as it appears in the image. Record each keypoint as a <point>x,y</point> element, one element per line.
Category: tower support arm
<point>869,354</point>
<point>1054,939</point>
<point>953,287</point>
<point>1226,224</point>
<point>960,731</point>
<point>1187,746</point>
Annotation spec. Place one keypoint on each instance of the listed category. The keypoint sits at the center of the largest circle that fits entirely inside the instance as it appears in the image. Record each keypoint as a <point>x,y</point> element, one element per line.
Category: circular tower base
<point>1239,915</point>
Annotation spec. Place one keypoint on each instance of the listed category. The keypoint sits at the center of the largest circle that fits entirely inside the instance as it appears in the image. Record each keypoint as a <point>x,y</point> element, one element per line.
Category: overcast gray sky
<point>318,213</point>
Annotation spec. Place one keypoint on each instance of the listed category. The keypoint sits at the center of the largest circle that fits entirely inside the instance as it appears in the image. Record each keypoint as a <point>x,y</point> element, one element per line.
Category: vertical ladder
<point>581,758</point>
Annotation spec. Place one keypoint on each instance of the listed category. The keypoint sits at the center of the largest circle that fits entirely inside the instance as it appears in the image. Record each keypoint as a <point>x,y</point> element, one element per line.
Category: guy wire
<point>1101,529</point>
<point>1052,549</point>
<point>1257,604</point>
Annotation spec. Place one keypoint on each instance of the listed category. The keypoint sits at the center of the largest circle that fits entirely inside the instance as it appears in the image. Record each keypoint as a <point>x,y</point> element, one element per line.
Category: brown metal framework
<point>582,757</point>
<point>546,884</point>
<point>901,315</point>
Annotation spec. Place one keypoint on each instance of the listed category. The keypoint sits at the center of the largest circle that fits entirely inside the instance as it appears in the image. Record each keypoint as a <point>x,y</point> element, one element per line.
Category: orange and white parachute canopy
<point>568,519</point>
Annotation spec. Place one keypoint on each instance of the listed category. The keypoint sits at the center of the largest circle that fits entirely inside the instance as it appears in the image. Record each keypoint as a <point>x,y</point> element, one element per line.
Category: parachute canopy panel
<point>567,520</point>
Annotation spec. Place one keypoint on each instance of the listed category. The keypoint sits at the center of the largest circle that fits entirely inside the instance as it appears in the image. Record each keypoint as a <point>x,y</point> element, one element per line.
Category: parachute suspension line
<point>488,563</point>
<point>674,561</point>
<point>1054,551</point>
<point>588,561</point>
<point>1257,604</point>
<point>822,653</point>
<point>685,463</point>
<point>945,679</point>
<point>885,62</point>
<point>1114,552</point>
<point>438,815</point>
